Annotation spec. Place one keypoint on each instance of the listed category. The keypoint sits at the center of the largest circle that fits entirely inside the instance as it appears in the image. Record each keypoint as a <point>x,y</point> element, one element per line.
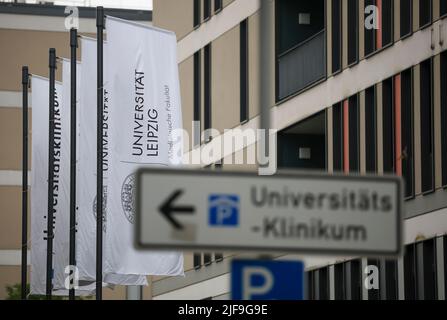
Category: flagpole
<point>99,137</point>
<point>50,218</point>
<point>73,131</point>
<point>25,86</point>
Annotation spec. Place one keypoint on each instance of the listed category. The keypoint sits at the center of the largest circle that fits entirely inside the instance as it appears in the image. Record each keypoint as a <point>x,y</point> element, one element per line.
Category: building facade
<point>26,33</point>
<point>360,87</point>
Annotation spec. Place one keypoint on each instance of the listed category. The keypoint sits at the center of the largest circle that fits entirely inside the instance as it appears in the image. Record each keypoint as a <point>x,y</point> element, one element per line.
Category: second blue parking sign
<point>267,280</point>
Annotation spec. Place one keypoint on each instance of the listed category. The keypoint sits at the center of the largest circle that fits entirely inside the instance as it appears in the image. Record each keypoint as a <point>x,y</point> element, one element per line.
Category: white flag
<point>39,182</point>
<point>86,167</point>
<point>144,109</point>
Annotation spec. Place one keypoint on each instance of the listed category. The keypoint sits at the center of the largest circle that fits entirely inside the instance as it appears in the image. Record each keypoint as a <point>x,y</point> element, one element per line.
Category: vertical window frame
<point>244,71</point>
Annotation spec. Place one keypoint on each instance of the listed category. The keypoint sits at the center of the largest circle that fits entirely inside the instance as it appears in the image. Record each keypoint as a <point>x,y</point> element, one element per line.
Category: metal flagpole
<point>50,235</point>
<point>99,137</point>
<point>25,86</point>
<point>72,251</point>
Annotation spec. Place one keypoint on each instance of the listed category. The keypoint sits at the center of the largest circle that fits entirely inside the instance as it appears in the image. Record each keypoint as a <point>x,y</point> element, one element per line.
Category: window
<point>391,278</point>
<point>407,156</point>
<point>427,158</point>
<point>196,13</point>
<point>426,270</point>
<point>370,34</point>
<point>425,12</point>
<point>197,261</point>
<point>206,9</point>
<point>217,5</point>
<point>370,130</point>
<point>207,259</point>
<point>339,282</point>
<point>406,17</point>
<point>354,135</point>
<point>336,35</point>
<point>244,70</point>
<point>410,272</point>
<point>444,116</point>
<point>353,280</point>
<point>197,99</point>
<point>207,88</point>
<point>337,137</point>
<point>386,37</point>
<point>442,7</point>
<point>323,284</point>
<point>310,285</point>
<point>353,26</point>
<point>445,262</point>
<point>388,126</point>
<point>219,257</point>
<point>374,294</point>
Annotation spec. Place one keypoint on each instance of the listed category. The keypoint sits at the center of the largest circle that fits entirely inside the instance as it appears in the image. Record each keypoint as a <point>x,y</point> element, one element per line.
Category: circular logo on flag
<point>128,197</point>
<point>104,207</point>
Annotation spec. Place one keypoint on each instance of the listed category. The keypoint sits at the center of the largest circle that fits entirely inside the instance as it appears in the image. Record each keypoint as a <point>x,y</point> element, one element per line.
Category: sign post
<point>289,212</point>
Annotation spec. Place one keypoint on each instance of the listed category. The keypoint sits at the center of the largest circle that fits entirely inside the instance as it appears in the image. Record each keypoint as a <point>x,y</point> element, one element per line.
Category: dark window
<point>391,278</point>
<point>442,7</point>
<point>388,126</point>
<point>219,257</point>
<point>339,282</point>
<point>429,269</point>
<point>323,284</point>
<point>353,26</point>
<point>310,285</point>
<point>410,272</point>
<point>354,136</point>
<point>353,280</point>
<point>444,116</point>
<point>406,17</point>
<point>374,294</point>
<point>370,34</point>
<point>207,87</point>
<point>196,13</point>
<point>244,70</point>
<point>336,35</point>
<point>426,270</point>
<point>370,130</point>
<point>427,126</point>
<point>337,137</point>
<point>387,22</point>
<point>197,99</point>
<point>407,132</point>
<point>425,12</point>
<point>197,260</point>
<point>217,5</point>
<point>207,259</point>
<point>206,9</point>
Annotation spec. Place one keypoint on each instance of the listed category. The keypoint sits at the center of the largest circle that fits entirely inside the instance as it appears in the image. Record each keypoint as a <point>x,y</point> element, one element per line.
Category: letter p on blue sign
<point>267,280</point>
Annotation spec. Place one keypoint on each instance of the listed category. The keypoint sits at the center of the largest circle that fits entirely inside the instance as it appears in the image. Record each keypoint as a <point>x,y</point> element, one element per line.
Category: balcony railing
<point>302,65</point>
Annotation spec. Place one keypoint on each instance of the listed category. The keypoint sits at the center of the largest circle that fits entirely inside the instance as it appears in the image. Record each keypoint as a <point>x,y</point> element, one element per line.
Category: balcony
<point>301,66</point>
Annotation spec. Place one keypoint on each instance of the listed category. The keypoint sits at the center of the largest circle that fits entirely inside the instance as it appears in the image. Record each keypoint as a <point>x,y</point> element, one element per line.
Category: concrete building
<point>27,31</point>
<point>355,94</point>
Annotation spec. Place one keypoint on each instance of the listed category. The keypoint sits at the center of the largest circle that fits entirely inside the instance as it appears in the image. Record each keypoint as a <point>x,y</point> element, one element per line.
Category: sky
<point>126,4</point>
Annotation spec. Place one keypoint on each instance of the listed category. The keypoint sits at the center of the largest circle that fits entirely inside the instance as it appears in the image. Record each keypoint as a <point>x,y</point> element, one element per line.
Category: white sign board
<point>288,212</point>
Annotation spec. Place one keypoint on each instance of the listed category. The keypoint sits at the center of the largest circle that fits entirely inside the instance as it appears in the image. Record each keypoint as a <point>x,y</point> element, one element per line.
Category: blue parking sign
<point>267,280</point>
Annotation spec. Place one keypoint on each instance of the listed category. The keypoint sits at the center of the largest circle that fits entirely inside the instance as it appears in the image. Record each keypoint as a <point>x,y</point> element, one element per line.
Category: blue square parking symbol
<point>223,210</point>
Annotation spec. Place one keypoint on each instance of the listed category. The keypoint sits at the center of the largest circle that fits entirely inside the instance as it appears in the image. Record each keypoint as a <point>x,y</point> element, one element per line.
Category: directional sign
<point>288,212</point>
<point>267,280</point>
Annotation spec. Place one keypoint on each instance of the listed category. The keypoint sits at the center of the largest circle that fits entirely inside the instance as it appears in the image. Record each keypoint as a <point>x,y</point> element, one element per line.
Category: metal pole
<point>99,137</point>
<point>25,86</point>
<point>72,253</point>
<point>50,236</point>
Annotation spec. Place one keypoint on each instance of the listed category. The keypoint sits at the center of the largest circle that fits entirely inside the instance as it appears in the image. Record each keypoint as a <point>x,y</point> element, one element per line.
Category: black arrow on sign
<point>167,209</point>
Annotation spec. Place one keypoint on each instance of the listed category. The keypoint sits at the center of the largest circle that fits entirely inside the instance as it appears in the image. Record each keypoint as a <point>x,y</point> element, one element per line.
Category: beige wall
<point>10,218</point>
<point>174,15</point>
<point>226,81</point>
